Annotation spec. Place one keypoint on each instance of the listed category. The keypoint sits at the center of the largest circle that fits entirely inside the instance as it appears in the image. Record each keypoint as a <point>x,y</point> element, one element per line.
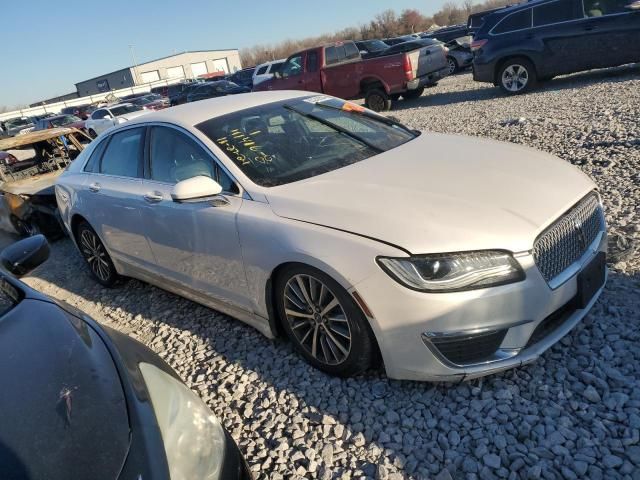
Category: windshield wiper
<point>378,118</point>
<point>338,128</point>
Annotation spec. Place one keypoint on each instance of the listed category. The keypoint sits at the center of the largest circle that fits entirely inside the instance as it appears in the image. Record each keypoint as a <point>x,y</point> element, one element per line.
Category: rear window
<point>287,141</point>
<point>515,21</point>
<point>262,70</point>
<point>555,12</point>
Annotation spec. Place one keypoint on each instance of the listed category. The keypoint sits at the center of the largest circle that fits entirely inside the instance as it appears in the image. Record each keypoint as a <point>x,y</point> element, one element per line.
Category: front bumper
<point>428,79</point>
<point>402,324</point>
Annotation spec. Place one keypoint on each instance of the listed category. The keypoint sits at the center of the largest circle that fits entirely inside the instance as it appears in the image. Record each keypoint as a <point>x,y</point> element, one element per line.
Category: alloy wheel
<point>317,319</point>
<point>376,103</point>
<point>95,254</point>
<point>452,66</point>
<point>515,78</point>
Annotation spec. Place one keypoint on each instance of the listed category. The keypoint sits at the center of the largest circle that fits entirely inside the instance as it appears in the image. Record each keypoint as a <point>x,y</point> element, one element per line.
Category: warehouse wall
<point>187,60</point>
<point>115,80</point>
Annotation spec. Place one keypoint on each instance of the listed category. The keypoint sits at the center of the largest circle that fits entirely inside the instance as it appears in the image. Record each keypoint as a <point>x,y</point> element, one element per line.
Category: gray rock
<point>491,460</point>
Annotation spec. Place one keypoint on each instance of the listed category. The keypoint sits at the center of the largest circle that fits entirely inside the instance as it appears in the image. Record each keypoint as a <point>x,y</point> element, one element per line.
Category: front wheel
<point>96,256</point>
<point>377,100</point>
<point>25,228</point>
<point>92,133</point>
<point>323,322</point>
<point>517,76</point>
<point>452,65</point>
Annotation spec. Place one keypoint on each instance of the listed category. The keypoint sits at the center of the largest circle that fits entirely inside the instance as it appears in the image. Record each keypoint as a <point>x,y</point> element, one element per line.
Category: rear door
<point>342,70</point>
<point>567,44</point>
<point>113,196</point>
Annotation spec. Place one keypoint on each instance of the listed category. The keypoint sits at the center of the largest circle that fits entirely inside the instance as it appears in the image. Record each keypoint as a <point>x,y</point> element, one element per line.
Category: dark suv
<point>517,46</point>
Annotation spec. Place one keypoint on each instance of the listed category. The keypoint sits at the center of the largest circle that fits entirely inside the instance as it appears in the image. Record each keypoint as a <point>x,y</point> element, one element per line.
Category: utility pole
<point>135,65</point>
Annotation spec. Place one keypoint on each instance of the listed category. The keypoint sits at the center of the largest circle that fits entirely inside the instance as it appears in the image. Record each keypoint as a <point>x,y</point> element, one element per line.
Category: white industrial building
<point>190,64</point>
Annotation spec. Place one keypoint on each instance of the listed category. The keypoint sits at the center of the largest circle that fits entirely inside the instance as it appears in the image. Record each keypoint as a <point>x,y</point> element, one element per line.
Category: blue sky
<point>93,36</point>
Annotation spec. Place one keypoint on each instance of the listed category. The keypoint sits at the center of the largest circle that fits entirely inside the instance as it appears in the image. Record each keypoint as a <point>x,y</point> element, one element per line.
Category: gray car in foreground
<point>303,215</point>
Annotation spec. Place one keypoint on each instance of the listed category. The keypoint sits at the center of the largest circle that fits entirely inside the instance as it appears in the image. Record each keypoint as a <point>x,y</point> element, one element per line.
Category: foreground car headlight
<point>451,272</point>
<point>194,440</point>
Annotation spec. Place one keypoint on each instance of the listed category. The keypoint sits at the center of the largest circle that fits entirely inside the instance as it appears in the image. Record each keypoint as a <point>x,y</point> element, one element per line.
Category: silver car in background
<point>303,215</point>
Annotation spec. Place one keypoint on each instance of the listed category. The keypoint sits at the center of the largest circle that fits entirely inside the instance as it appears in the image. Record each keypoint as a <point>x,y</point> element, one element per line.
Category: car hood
<point>64,413</point>
<point>440,193</point>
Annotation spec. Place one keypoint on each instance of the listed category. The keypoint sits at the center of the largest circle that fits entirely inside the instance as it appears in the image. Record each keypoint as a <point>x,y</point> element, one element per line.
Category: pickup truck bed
<point>339,70</point>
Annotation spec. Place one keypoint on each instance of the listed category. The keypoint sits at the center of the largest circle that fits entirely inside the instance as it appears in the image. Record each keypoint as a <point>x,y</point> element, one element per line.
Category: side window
<point>515,21</point>
<point>122,155</point>
<point>225,181</point>
<point>556,12</point>
<point>352,51</point>
<point>98,114</point>
<point>293,66</point>
<point>93,165</point>
<point>174,157</point>
<point>312,62</point>
<point>262,70</point>
<point>598,8</point>
<point>330,55</point>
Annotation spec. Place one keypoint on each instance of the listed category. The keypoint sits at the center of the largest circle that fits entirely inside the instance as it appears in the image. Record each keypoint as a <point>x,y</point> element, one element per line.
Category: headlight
<point>451,272</point>
<point>194,440</point>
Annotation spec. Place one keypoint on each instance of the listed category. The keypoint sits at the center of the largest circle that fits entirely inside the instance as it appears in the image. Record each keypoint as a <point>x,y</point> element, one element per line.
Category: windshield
<point>66,120</point>
<point>18,122</point>
<point>375,45</point>
<point>287,141</point>
<point>225,86</point>
<point>122,109</point>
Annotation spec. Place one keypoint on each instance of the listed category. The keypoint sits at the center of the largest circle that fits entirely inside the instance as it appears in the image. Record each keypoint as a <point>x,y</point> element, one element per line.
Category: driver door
<point>195,245</point>
<point>292,73</point>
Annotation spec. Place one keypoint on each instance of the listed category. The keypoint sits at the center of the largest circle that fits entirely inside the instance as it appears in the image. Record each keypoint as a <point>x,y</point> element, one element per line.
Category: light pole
<point>135,65</point>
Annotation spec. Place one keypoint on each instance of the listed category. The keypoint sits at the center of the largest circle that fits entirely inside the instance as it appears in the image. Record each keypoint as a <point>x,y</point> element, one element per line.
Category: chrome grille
<point>568,238</point>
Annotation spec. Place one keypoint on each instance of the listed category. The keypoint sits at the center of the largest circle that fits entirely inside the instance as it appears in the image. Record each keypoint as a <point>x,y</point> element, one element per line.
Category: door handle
<point>153,197</point>
<point>94,187</point>
<point>588,28</point>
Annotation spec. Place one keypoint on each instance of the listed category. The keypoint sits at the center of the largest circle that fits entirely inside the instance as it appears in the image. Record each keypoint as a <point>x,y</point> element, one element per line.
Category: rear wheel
<point>96,256</point>
<point>413,94</point>
<point>377,100</point>
<point>323,322</point>
<point>516,76</point>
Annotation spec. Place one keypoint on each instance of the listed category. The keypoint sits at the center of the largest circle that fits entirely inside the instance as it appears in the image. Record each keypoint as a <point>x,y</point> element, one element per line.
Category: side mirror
<point>195,189</point>
<point>277,74</point>
<point>107,117</point>
<point>23,256</point>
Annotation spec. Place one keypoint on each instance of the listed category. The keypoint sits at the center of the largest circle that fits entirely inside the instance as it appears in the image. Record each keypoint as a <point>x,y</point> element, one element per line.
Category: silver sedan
<point>444,257</point>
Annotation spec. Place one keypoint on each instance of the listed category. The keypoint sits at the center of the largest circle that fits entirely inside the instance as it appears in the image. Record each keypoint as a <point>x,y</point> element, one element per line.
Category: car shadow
<point>483,91</point>
<point>233,363</point>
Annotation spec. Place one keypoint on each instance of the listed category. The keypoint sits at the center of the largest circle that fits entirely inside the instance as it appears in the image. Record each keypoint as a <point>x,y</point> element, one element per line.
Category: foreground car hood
<point>440,193</point>
<point>63,409</point>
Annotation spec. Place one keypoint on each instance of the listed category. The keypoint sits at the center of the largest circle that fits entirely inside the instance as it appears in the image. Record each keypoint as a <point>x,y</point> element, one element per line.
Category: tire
<point>376,99</point>
<point>413,94</point>
<point>25,228</point>
<point>516,76</point>
<point>344,342</point>
<point>92,133</point>
<point>92,250</point>
<point>453,65</point>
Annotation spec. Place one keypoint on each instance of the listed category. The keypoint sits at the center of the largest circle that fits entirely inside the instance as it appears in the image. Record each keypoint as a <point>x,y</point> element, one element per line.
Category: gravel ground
<point>575,413</point>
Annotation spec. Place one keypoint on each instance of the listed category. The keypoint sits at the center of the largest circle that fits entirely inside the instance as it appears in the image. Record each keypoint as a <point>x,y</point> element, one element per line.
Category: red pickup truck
<point>339,70</point>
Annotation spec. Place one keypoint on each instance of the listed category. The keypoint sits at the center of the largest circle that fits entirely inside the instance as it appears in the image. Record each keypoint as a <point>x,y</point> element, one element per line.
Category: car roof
<point>197,112</point>
<point>123,104</point>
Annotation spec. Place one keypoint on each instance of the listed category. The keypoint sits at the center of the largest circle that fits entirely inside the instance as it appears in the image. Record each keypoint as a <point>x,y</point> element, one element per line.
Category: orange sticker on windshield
<point>352,107</point>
